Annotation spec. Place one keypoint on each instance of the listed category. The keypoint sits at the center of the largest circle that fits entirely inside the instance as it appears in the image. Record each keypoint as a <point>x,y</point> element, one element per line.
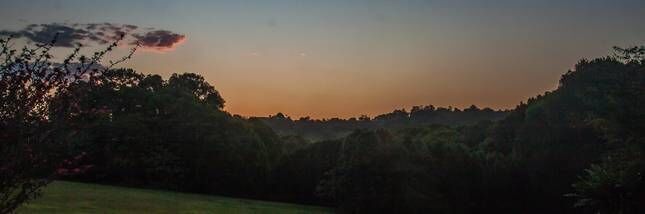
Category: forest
<point>575,149</point>
<point>333,128</point>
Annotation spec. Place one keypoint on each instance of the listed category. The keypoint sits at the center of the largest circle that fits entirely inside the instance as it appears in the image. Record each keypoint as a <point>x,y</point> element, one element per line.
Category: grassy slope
<point>69,197</point>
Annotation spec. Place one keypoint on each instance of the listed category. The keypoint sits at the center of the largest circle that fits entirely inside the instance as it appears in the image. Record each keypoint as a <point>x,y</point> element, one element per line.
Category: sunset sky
<point>336,58</point>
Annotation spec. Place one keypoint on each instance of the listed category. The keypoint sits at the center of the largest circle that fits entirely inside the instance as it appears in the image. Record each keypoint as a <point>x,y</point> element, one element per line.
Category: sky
<point>347,58</point>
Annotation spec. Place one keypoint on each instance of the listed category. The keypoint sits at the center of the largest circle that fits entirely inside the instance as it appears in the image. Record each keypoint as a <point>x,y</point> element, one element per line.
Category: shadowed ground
<point>70,197</point>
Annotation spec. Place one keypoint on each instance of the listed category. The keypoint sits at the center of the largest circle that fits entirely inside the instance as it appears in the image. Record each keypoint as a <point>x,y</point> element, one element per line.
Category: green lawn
<point>70,197</point>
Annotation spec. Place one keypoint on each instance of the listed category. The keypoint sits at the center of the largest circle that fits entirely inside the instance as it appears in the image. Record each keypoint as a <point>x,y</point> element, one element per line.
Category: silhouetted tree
<point>30,146</point>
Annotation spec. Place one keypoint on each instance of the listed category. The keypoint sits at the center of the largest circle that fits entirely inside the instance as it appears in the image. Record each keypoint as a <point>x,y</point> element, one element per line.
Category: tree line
<point>576,149</point>
<point>334,128</point>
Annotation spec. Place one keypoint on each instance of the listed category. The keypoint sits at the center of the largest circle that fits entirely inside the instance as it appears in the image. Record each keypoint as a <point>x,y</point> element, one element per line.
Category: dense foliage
<point>145,131</point>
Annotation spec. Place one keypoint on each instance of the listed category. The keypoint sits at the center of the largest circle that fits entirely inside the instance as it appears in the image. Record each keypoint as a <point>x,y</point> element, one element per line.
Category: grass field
<point>70,197</point>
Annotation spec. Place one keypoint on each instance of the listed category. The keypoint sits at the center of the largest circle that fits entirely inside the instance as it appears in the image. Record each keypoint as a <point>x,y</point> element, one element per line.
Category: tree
<point>617,185</point>
<point>632,54</point>
<point>196,85</point>
<point>30,146</point>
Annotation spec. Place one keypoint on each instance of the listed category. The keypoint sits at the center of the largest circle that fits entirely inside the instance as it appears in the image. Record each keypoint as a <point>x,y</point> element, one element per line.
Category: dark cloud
<point>70,35</point>
<point>67,36</point>
<point>159,39</point>
<point>131,27</point>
